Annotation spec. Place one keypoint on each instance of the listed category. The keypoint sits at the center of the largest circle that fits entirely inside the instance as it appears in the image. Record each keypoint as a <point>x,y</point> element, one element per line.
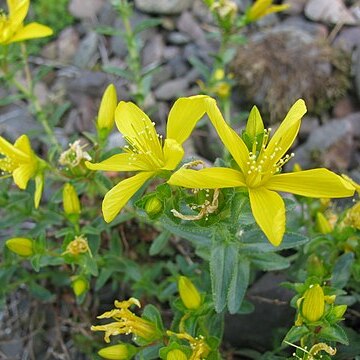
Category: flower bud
<point>189,294</point>
<point>313,304</point>
<point>322,224</point>
<point>153,206</point>
<point>79,285</point>
<point>106,114</point>
<point>71,201</point>
<point>117,352</point>
<point>176,354</point>
<point>20,246</point>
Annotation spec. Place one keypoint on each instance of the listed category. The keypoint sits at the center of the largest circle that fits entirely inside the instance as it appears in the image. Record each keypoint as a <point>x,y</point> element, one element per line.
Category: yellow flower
<point>189,294</point>
<point>259,171</point>
<point>12,28</point>
<point>20,246</point>
<point>127,322</point>
<point>20,161</point>
<point>262,8</point>
<point>147,153</point>
<point>106,114</point>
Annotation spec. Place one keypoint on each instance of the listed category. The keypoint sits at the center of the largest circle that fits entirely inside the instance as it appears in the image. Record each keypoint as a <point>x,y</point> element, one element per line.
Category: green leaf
<point>152,314</point>
<point>342,270</point>
<point>40,292</point>
<point>126,74</point>
<point>146,24</point>
<point>223,260</point>
<point>108,30</point>
<point>159,243</point>
<point>104,276</point>
<point>270,261</point>
<point>334,333</point>
<point>35,262</point>
<point>199,65</point>
<point>238,285</point>
<point>296,333</point>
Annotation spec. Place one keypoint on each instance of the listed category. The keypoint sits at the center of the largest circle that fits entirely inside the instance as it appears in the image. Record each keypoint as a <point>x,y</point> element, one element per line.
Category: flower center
<point>145,146</point>
<point>263,164</point>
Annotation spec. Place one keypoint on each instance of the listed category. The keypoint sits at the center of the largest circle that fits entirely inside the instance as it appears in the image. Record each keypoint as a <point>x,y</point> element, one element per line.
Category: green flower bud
<point>189,294</point>
<point>322,224</point>
<point>117,352</point>
<point>176,354</point>
<point>153,206</point>
<point>313,304</point>
<point>20,246</point>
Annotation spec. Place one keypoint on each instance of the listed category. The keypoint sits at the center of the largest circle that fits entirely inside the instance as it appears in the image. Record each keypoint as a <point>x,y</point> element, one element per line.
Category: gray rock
<point>179,66</point>
<point>189,26</point>
<point>89,82</point>
<point>313,29</point>
<point>159,77</point>
<point>296,6</point>
<point>153,50</point>
<point>330,145</point>
<point>171,89</point>
<point>348,39</point>
<point>356,71</point>
<point>171,52</point>
<point>178,38</point>
<point>329,11</point>
<point>162,7</point>
<point>67,44</point>
<point>87,51</point>
<point>78,9</point>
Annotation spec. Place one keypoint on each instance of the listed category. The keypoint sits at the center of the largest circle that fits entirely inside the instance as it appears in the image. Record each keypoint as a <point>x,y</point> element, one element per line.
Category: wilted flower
<point>78,246</point>
<point>73,156</point>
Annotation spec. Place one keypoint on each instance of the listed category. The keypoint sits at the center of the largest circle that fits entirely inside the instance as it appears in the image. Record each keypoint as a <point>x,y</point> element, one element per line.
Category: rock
<point>78,9</point>
<point>314,29</point>
<point>343,107</point>
<point>67,44</point>
<point>189,26</point>
<point>330,145</point>
<point>171,89</point>
<point>178,38</point>
<point>348,39</point>
<point>89,82</point>
<point>14,120</point>
<point>329,11</point>
<point>162,7</point>
<point>159,77</point>
<point>179,66</point>
<point>296,7</point>
<point>153,50</point>
<point>356,71</point>
<point>308,124</point>
<point>269,298</point>
<point>170,52</point>
<point>87,50</point>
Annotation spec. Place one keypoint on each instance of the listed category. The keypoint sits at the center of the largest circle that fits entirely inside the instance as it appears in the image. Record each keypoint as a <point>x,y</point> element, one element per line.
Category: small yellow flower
<point>176,354</point>
<point>106,114</point>
<point>12,28</point>
<point>147,153</point>
<point>20,161</point>
<point>20,246</point>
<point>127,322</point>
<point>262,8</point>
<point>78,246</point>
<point>71,201</point>
<point>189,294</point>
<point>353,216</point>
<point>259,170</point>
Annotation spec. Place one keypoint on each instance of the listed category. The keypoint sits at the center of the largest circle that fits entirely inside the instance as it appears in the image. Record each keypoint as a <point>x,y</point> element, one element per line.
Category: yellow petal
<point>106,115</point>
<point>231,140</point>
<point>173,153</point>
<point>184,115</point>
<point>22,175</point>
<point>287,131</point>
<point>11,151</point>
<point>119,195</point>
<point>23,144</point>
<point>121,162</point>
<point>269,212</point>
<point>258,9</point>
<point>39,187</point>
<point>31,31</point>
<point>317,183</point>
<point>276,8</point>
<point>212,178</point>
<point>18,10</point>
